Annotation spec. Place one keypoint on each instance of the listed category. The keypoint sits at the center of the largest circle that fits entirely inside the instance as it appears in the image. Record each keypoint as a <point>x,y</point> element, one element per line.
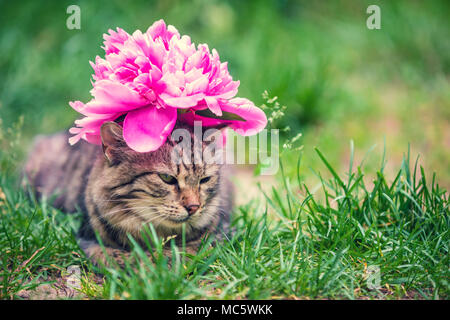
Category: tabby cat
<point>120,190</point>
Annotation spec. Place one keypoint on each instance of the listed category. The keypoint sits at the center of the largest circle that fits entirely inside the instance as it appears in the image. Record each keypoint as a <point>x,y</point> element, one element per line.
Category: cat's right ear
<point>112,141</point>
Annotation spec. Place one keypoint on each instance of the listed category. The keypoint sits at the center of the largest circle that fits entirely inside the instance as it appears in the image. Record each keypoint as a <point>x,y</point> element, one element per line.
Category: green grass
<point>303,244</point>
<point>319,230</point>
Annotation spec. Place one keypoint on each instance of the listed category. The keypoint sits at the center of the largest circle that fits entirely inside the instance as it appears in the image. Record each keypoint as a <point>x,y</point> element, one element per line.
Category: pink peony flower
<point>155,78</point>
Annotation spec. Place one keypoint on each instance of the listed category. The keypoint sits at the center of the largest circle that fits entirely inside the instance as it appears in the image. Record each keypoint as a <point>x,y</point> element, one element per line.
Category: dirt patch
<point>54,291</point>
<point>62,287</point>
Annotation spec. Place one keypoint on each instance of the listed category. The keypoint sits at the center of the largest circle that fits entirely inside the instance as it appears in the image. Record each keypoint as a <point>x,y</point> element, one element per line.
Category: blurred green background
<point>339,80</point>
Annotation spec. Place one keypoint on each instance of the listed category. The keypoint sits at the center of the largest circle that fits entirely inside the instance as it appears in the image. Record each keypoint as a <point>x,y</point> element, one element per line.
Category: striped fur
<point>120,190</point>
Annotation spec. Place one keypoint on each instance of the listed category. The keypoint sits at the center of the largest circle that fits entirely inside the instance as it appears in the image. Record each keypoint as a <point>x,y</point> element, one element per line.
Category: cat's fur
<point>120,190</point>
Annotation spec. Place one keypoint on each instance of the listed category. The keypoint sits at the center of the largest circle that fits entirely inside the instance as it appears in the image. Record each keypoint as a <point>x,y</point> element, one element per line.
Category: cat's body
<point>120,190</point>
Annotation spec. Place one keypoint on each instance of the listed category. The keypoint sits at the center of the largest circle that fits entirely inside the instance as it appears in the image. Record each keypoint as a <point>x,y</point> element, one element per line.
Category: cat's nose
<point>192,208</point>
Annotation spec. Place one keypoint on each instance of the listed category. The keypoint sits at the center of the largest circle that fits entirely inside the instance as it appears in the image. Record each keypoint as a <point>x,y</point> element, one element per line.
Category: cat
<point>120,190</point>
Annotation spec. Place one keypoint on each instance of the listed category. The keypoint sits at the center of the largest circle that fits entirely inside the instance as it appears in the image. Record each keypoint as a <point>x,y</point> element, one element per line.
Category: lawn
<point>360,210</point>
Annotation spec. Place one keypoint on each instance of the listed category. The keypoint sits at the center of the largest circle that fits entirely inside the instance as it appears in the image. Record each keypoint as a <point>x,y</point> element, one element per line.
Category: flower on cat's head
<point>152,79</point>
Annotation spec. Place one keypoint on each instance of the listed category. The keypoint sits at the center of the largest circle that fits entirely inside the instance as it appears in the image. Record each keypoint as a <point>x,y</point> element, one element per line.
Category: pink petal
<point>199,85</point>
<point>256,119</point>
<point>213,105</point>
<point>93,138</point>
<point>112,97</point>
<point>78,106</point>
<point>74,139</point>
<point>229,91</point>
<point>182,102</point>
<point>159,30</point>
<point>146,129</point>
<point>88,128</point>
<point>114,40</point>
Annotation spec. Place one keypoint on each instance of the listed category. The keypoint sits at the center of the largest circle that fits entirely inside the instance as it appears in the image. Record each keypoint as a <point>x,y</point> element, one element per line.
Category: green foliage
<point>36,241</point>
<point>10,140</point>
<point>339,81</point>
<point>310,245</point>
<point>165,274</point>
<point>305,242</point>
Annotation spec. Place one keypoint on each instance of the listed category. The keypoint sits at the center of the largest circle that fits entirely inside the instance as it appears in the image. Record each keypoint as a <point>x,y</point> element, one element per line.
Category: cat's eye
<point>205,180</point>
<point>167,178</point>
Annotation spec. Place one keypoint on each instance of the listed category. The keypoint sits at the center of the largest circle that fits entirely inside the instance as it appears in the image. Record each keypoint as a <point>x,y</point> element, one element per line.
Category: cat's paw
<point>103,256</point>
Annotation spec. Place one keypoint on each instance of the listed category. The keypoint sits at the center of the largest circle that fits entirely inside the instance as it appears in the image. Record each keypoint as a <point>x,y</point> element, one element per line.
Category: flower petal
<point>88,128</point>
<point>182,102</point>
<point>146,129</point>
<point>213,105</point>
<point>114,40</point>
<point>112,97</point>
<point>256,119</point>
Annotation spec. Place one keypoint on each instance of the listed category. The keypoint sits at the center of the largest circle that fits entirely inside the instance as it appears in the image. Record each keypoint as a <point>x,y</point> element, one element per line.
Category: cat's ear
<point>112,141</point>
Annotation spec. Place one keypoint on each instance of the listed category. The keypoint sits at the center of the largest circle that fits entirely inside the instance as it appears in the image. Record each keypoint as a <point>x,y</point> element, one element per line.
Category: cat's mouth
<point>179,220</point>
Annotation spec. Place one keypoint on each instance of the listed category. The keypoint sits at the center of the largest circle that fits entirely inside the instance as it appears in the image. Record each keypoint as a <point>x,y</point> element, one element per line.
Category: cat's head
<point>135,188</point>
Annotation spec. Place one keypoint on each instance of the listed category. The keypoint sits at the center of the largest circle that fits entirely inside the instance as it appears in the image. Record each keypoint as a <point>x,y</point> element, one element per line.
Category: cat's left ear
<point>112,141</point>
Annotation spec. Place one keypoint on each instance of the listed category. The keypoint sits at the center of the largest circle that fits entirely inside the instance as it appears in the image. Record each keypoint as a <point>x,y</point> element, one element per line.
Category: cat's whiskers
<point>130,209</point>
<point>115,200</point>
<point>138,210</point>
